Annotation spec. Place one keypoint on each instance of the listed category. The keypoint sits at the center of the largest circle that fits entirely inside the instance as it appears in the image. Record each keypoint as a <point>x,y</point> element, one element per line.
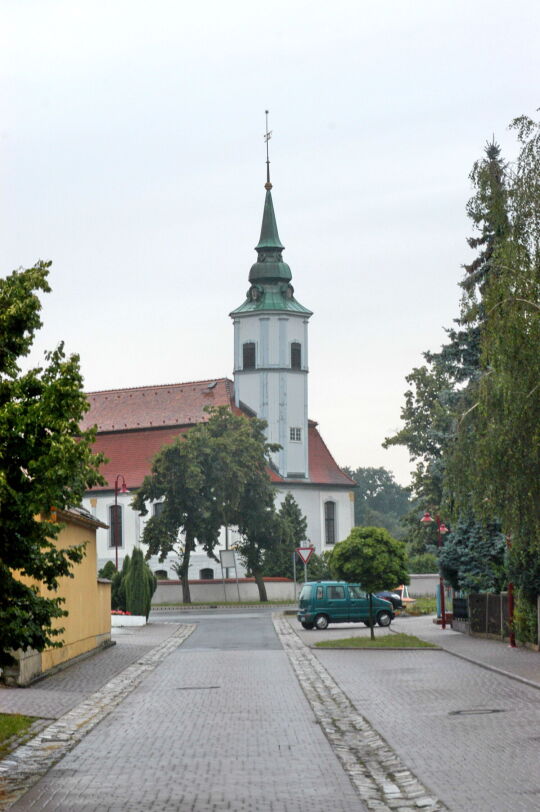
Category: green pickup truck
<point>324,602</point>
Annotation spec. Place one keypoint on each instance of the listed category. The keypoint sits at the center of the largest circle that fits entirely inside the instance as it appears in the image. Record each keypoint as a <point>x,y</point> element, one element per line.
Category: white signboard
<point>227,558</point>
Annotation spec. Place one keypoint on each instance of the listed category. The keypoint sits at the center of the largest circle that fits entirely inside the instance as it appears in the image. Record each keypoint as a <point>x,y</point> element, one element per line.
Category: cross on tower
<point>267,137</point>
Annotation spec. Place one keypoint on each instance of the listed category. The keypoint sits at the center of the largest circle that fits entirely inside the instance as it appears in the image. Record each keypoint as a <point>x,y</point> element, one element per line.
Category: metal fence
<point>488,614</point>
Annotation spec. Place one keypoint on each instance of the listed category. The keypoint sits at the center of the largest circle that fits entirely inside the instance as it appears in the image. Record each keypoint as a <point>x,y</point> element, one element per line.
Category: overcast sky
<point>133,158</point>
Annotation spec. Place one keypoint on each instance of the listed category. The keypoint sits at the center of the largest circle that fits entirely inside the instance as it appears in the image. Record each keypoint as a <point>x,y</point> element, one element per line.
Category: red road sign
<point>305,553</point>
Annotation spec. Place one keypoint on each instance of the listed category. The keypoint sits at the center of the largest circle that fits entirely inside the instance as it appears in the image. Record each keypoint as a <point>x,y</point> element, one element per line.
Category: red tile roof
<point>178,404</point>
<point>323,468</point>
<point>130,453</point>
<point>134,424</point>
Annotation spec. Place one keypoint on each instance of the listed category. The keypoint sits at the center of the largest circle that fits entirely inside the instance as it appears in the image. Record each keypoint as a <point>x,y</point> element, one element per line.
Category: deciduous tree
<point>202,479</point>
<point>46,462</point>
<point>371,557</point>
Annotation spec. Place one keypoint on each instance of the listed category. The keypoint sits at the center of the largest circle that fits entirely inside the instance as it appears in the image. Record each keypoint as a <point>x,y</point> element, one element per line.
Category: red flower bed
<point>119,612</point>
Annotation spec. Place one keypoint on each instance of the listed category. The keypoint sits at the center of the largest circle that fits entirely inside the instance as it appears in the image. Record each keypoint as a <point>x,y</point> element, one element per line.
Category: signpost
<point>228,559</point>
<point>305,553</point>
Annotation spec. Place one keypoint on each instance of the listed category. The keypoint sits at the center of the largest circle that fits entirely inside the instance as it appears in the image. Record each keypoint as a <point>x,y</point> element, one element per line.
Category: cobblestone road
<point>434,710</point>
<point>222,723</point>
<point>209,729</point>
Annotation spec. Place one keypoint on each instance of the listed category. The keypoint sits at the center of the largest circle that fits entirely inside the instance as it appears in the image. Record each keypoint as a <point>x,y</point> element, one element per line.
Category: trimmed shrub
<point>137,583</point>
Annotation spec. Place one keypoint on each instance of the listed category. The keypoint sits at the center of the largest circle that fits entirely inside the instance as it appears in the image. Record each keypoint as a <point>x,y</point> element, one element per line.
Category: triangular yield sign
<point>305,553</point>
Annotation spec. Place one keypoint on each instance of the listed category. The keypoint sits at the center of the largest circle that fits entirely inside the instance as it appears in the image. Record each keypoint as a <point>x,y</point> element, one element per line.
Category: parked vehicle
<point>393,597</point>
<point>324,602</point>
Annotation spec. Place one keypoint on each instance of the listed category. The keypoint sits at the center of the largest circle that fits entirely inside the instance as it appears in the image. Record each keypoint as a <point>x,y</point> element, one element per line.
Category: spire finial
<point>267,137</point>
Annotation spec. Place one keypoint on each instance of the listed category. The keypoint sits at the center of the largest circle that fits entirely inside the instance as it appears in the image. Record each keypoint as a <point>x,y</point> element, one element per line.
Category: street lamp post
<point>511,603</point>
<point>441,529</point>
<point>118,488</point>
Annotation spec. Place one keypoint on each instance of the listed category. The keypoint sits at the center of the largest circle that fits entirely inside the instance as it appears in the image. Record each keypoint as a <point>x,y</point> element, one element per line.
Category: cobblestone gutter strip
<point>376,771</point>
<point>28,763</point>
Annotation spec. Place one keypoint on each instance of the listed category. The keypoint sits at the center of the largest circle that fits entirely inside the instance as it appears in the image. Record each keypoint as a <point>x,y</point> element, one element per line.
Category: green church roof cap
<point>269,234</point>
<point>270,277</point>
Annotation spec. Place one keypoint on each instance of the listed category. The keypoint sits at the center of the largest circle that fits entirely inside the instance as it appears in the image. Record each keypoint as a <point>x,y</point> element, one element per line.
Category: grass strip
<point>11,725</point>
<point>397,640</point>
<point>423,605</point>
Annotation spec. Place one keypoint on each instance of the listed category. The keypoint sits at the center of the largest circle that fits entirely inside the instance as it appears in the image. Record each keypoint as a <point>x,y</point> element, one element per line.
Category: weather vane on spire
<point>267,137</point>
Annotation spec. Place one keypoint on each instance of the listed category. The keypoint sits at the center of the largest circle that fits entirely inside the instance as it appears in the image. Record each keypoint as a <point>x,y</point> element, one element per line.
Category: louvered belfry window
<point>296,355</point>
<point>249,355</point>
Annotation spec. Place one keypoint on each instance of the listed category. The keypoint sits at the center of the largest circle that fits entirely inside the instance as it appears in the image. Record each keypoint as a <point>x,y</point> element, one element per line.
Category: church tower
<point>271,351</point>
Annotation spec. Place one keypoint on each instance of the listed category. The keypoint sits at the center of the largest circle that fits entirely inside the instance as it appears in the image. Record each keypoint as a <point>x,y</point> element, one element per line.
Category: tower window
<point>296,355</point>
<point>115,526</point>
<point>158,509</point>
<point>295,434</point>
<point>330,522</point>
<point>249,355</point>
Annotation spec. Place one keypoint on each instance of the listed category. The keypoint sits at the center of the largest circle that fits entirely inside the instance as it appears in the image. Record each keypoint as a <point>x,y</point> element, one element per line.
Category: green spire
<point>269,233</point>
<point>270,277</point>
<point>269,266</point>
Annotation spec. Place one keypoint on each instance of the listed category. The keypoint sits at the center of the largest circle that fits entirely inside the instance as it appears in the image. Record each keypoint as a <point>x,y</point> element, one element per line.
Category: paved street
<point>222,722</point>
<point>214,727</point>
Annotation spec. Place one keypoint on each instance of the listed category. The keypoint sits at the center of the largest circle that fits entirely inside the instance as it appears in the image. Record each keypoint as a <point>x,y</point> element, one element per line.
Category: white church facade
<point>270,369</point>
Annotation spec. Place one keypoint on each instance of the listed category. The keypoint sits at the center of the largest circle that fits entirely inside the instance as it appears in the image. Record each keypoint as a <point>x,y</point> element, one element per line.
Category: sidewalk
<point>519,663</point>
<point>52,696</point>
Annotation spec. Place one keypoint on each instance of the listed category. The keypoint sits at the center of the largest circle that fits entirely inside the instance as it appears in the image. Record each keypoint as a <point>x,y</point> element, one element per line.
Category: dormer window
<point>248,356</point>
<point>296,355</point>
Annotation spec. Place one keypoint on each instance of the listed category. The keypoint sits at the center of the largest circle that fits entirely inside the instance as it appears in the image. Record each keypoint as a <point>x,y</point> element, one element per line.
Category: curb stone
<point>380,777</point>
<point>23,767</point>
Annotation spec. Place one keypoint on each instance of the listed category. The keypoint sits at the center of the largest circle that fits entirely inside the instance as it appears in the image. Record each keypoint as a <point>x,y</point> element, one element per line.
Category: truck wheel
<point>307,625</point>
<point>321,622</point>
<point>384,618</point>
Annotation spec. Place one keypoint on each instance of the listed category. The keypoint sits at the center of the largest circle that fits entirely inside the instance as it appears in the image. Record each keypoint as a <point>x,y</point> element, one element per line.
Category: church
<point>270,380</point>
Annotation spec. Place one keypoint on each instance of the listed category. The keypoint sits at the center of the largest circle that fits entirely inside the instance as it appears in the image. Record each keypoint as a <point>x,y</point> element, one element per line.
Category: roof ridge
<point>159,386</point>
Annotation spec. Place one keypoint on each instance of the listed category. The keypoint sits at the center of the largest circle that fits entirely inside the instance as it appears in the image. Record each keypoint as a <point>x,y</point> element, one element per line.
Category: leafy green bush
<point>423,563</point>
<point>108,571</point>
<point>525,619</point>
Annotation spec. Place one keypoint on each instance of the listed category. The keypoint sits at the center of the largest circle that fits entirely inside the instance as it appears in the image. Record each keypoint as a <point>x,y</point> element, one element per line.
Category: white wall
<point>220,592</point>
<point>275,392</point>
<point>133,526</point>
<point>311,501</point>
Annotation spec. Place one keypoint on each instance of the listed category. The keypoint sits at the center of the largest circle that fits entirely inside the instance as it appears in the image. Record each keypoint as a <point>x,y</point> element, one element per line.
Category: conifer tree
<point>445,390</point>
<point>137,585</point>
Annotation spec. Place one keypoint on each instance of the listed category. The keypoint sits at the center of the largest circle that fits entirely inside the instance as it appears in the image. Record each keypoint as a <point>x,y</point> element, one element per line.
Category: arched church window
<point>206,574</point>
<point>296,355</point>
<point>116,534</point>
<point>249,355</point>
<point>330,522</point>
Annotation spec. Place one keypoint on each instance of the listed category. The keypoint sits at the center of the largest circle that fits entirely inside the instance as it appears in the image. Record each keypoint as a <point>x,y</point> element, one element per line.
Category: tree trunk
<point>371,624</point>
<point>259,580</point>
<point>184,570</point>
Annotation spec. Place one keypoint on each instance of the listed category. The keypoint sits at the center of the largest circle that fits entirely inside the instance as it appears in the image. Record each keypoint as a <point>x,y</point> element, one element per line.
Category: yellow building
<point>87,627</point>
